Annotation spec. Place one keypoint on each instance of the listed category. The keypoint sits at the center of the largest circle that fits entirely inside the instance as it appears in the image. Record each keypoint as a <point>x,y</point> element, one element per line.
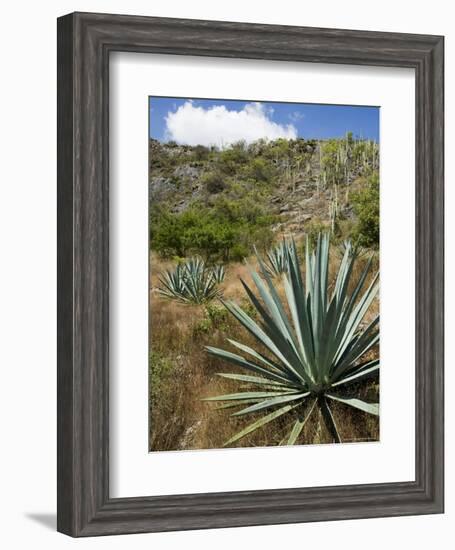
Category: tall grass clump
<point>310,350</point>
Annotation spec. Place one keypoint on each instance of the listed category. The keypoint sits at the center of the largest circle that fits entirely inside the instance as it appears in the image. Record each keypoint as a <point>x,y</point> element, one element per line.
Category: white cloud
<point>296,116</point>
<point>194,125</point>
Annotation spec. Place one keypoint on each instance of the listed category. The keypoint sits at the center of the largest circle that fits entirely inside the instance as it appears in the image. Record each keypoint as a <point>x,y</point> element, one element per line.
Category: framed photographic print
<point>250,253</point>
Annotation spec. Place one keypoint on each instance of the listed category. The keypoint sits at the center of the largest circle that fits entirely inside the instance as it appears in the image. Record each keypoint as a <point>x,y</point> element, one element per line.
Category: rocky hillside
<point>300,185</point>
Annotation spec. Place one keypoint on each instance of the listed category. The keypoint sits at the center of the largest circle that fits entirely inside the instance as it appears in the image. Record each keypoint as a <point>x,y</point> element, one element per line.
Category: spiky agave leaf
<point>313,352</point>
<point>276,263</point>
<point>218,273</point>
<point>192,282</point>
<point>355,249</point>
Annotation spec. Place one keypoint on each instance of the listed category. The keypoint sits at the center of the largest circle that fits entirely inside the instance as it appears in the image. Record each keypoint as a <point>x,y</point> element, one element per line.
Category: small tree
<point>366,206</point>
<point>260,170</point>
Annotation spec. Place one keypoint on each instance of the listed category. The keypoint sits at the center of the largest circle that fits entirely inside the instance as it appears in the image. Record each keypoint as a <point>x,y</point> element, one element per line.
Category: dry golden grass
<point>182,374</point>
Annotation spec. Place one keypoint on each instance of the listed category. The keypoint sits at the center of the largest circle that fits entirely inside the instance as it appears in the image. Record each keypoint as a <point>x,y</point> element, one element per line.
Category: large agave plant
<point>307,358</point>
<point>192,282</point>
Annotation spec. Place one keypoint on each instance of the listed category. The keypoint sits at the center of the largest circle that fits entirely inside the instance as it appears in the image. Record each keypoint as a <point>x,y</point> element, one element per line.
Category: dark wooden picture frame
<point>84,44</point>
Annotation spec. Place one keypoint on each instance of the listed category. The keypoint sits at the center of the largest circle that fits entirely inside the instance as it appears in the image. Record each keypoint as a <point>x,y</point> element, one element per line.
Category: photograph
<point>264,273</point>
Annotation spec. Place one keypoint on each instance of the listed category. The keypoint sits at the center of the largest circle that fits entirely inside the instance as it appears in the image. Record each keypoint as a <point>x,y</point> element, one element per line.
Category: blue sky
<point>220,122</point>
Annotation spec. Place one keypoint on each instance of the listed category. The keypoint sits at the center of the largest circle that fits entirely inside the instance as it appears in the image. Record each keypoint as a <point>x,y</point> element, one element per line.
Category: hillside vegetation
<point>219,203</point>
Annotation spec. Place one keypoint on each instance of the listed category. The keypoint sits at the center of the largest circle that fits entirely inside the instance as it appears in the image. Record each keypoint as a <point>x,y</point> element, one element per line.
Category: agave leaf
<point>324,270</point>
<point>372,367</point>
<point>302,329</point>
<point>295,293</point>
<point>344,306</point>
<point>285,352</point>
<point>277,258</point>
<point>232,404</point>
<point>272,340</point>
<point>328,337</point>
<point>371,408</point>
<point>357,315</point>
<point>250,379</point>
<point>218,273</point>
<point>316,302</point>
<point>356,349</point>
<point>299,425</point>
<point>349,317</point>
<point>242,362</point>
<point>254,329</point>
<point>275,307</point>
<point>343,277</point>
<point>329,419</point>
<point>308,275</point>
<point>280,318</point>
<point>261,422</point>
<point>278,400</point>
<point>274,367</point>
<point>245,395</point>
<point>360,284</point>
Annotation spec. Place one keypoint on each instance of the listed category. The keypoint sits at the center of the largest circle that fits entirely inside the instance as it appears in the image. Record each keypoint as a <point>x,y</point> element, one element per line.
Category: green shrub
<point>232,157</point>
<point>167,231</point>
<point>225,230</point>
<point>201,153</point>
<point>160,371</point>
<point>202,327</point>
<point>238,252</point>
<point>215,318</point>
<point>217,314</point>
<point>260,170</point>
<point>366,206</point>
<point>214,182</point>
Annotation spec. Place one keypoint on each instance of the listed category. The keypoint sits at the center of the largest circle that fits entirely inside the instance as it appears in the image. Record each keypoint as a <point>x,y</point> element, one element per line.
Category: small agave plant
<point>218,273</point>
<point>307,358</point>
<point>277,259</point>
<point>192,282</point>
